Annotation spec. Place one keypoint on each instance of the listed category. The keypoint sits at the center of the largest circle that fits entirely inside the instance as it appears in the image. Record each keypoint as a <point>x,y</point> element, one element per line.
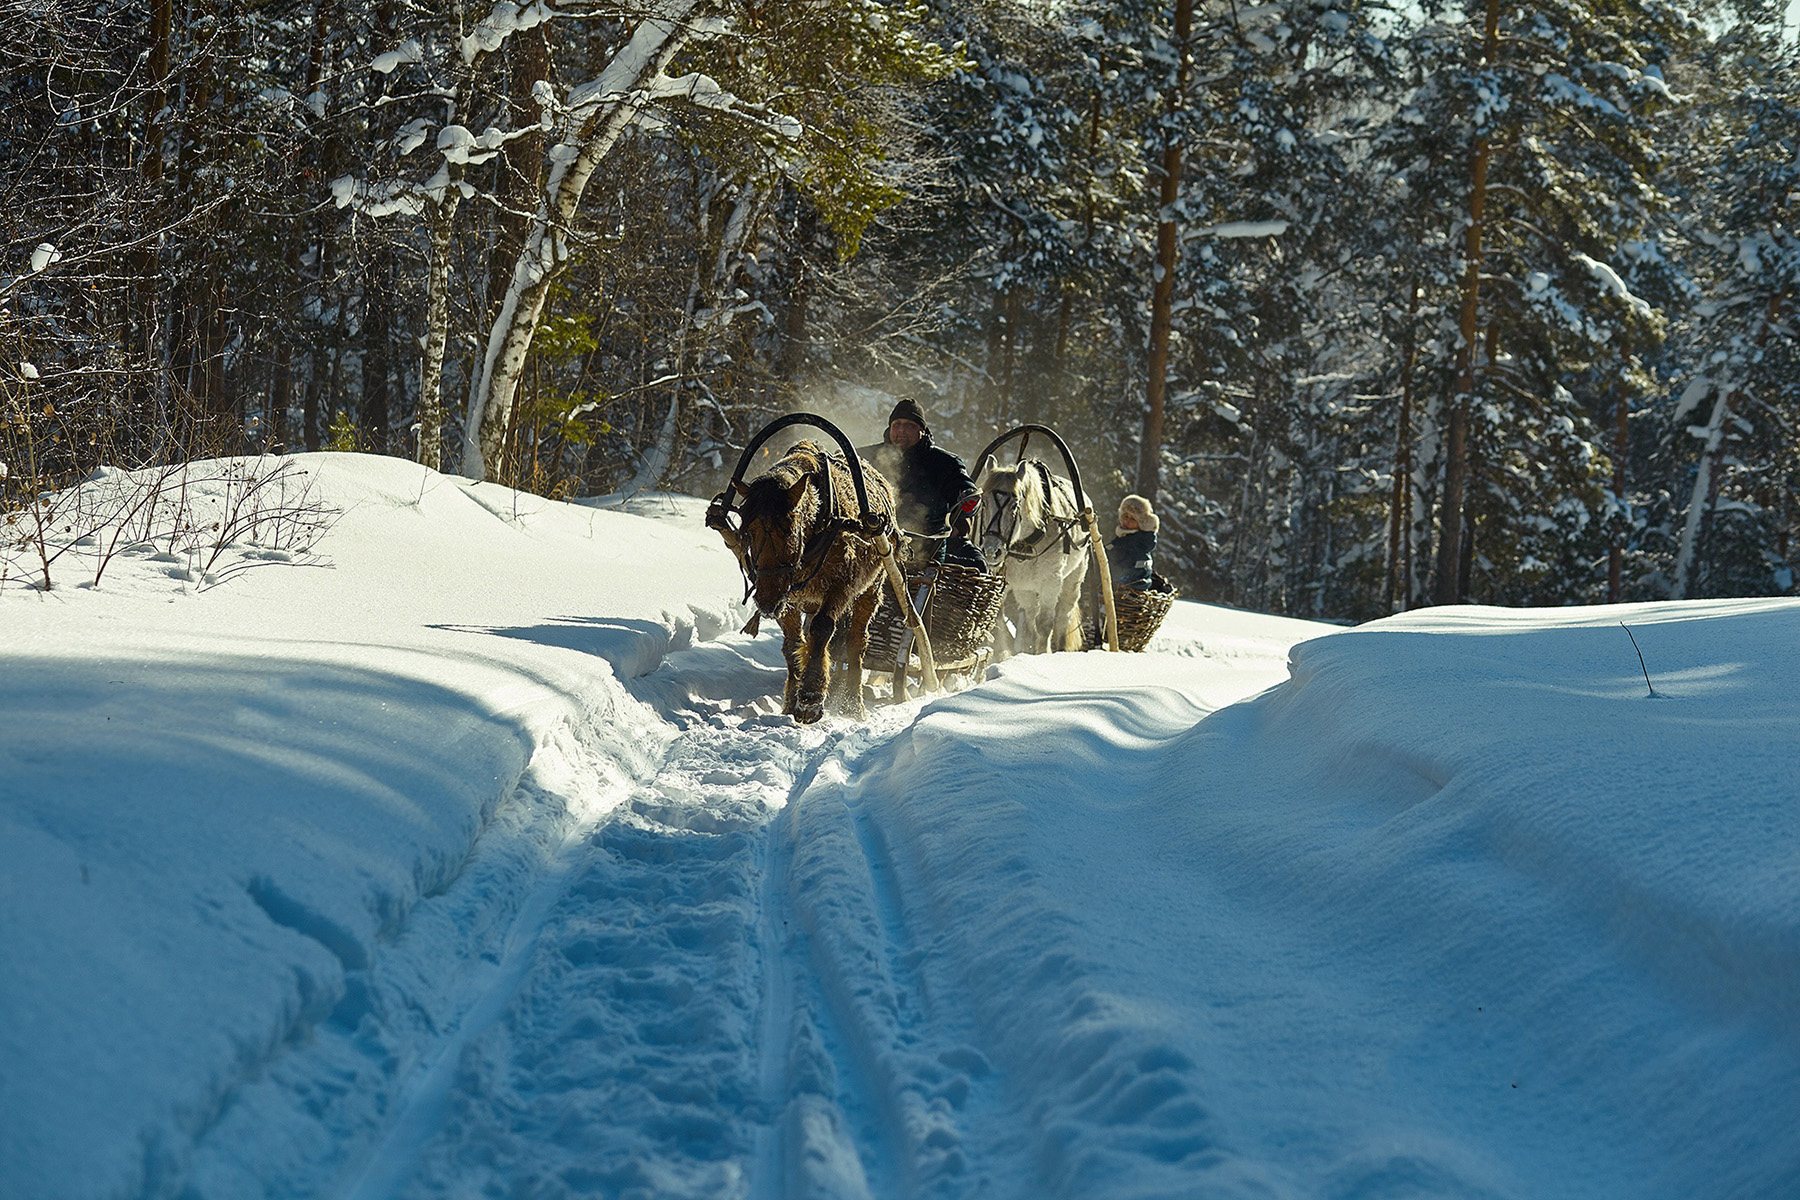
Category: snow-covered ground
<point>468,857</point>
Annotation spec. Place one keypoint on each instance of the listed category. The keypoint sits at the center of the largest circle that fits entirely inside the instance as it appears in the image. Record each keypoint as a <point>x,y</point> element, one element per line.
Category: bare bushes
<point>199,522</point>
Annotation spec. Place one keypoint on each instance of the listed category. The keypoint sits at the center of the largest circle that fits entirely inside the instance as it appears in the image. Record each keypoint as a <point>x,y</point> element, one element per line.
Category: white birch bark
<point>437,331</point>
<point>599,114</point>
<point>1428,466</point>
<point>1700,503</point>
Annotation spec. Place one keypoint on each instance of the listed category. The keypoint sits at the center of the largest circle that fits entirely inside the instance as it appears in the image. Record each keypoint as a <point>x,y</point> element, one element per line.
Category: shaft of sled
<point>1106,595</point>
<point>897,581</point>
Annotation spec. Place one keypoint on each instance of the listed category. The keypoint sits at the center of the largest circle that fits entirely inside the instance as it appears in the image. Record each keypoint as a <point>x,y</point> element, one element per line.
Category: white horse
<point>1028,528</point>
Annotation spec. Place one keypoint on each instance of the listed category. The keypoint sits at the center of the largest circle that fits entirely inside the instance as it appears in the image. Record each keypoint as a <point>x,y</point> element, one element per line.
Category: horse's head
<point>778,512</point>
<point>1007,494</point>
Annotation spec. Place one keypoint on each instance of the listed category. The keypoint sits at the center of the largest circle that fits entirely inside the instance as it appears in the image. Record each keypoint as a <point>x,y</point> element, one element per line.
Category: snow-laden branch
<point>1610,280</point>
<point>1242,229</point>
<point>597,114</point>
<point>407,52</point>
<point>695,88</point>
<point>506,19</point>
<point>390,197</point>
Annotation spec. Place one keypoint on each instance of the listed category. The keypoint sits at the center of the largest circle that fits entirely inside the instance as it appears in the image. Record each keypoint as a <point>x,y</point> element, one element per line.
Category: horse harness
<point>1039,542</point>
<point>813,554</point>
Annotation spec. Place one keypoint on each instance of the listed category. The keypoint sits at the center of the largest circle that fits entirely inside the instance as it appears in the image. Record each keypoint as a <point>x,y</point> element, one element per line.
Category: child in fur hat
<point>1133,544</point>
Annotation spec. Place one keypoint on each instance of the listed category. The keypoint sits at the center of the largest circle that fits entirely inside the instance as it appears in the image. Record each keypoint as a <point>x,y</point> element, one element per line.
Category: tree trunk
<point>1162,294</point>
<point>143,290</point>
<point>375,416</point>
<point>600,113</point>
<point>1700,503</point>
<point>317,394</point>
<point>521,162</point>
<point>377,349</point>
<point>1450,505</point>
<point>281,387</point>
<point>1399,526</point>
<point>1615,555</point>
<point>792,349</point>
<point>437,331</point>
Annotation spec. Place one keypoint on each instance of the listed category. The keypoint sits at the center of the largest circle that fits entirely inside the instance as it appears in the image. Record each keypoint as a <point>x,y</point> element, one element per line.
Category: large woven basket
<point>960,607</point>
<point>1141,612</point>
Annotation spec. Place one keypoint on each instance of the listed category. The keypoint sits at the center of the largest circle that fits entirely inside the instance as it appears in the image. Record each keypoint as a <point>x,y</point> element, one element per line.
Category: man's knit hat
<point>908,410</point>
<point>1138,507</point>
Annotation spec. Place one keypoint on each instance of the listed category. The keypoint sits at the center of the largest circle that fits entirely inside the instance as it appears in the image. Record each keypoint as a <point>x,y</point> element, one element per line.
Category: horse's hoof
<point>808,709</point>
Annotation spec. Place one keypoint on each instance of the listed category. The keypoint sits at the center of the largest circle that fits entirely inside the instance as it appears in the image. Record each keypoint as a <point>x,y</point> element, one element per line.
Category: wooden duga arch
<point>1095,545</point>
<point>874,526</point>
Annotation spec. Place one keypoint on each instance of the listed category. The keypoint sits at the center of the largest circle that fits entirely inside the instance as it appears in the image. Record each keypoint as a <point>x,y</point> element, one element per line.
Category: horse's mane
<point>1033,486</point>
<point>767,496</point>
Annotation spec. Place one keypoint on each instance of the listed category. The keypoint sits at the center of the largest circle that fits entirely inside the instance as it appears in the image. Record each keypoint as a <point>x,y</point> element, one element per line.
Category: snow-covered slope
<point>1459,910</point>
<point>471,860</point>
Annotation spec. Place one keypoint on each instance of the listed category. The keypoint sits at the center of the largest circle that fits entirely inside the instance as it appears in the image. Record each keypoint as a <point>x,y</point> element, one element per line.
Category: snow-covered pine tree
<point>1740,398</point>
<point>1258,299</point>
<point>1555,110</point>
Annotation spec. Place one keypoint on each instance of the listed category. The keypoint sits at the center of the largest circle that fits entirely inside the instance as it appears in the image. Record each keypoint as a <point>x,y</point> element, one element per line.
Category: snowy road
<point>629,1051</point>
<point>745,981</point>
<point>713,992</point>
<point>418,880</point>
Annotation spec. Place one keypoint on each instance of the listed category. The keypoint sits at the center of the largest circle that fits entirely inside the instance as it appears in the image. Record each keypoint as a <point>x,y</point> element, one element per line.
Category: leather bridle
<point>812,555</point>
<point>1035,544</point>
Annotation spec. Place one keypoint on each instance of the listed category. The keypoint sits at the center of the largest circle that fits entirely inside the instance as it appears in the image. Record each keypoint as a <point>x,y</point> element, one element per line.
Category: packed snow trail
<point>660,1026</point>
<point>628,1060</point>
<point>741,989</point>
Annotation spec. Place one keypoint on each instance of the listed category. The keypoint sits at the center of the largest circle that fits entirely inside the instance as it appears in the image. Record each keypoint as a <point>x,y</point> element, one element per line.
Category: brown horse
<point>810,565</point>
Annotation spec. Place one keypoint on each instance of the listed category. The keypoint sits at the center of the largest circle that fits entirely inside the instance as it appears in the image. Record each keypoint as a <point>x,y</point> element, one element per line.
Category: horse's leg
<point>793,649</point>
<point>834,665</point>
<point>1004,644</point>
<point>1068,609</point>
<point>1022,626</point>
<point>843,695</point>
<point>1034,628</point>
<point>809,702</point>
<point>847,684</point>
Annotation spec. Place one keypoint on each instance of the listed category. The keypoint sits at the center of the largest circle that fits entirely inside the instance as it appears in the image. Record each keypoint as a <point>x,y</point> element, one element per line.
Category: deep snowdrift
<point>1459,910</point>
<point>471,860</point>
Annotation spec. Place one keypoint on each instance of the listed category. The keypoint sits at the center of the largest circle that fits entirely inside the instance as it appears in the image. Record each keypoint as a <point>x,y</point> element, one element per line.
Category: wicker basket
<point>960,607</point>
<point>1141,612</point>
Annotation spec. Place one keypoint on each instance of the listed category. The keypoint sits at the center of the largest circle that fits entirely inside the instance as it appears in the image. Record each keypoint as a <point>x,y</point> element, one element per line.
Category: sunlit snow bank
<point>471,860</point>
<point>1457,911</point>
<point>220,807</point>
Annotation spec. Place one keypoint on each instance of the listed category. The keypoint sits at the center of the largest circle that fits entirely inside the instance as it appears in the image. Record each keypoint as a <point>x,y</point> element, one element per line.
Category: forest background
<point>1386,306</point>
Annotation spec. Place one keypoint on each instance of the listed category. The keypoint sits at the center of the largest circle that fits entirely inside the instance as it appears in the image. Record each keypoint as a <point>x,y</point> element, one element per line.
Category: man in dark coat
<point>933,491</point>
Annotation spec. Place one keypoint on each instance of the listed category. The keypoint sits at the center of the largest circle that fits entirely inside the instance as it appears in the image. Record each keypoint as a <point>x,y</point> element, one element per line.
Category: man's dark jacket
<point>927,482</point>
